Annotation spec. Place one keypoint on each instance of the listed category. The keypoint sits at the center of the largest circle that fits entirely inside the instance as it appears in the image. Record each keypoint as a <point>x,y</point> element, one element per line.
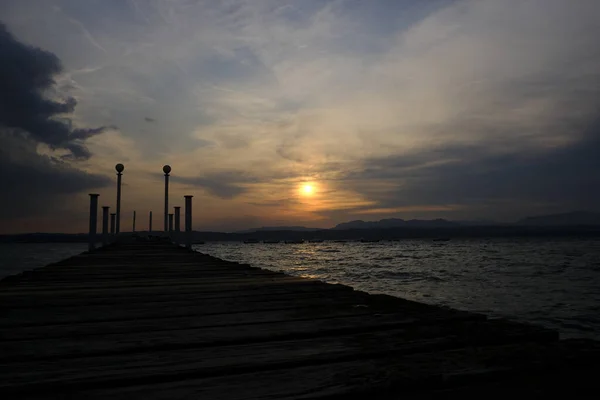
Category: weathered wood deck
<point>154,321</point>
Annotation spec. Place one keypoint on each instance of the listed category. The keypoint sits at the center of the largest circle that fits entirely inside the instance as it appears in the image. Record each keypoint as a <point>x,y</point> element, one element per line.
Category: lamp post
<point>120,168</point>
<point>167,171</point>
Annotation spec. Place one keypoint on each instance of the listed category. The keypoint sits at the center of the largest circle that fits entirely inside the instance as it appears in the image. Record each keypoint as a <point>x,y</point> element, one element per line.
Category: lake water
<point>555,283</point>
<point>551,282</point>
<point>17,257</point>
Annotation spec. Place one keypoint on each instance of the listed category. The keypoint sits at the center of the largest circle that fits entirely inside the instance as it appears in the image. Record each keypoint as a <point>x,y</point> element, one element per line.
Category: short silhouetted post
<point>170,224</point>
<point>167,171</point>
<point>113,218</point>
<point>177,225</point>
<point>133,227</point>
<point>120,168</point>
<point>93,220</point>
<point>105,225</point>
<point>188,221</point>
<point>150,222</point>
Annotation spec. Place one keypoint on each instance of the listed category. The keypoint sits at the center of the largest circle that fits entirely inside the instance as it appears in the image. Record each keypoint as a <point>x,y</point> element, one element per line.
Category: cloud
<point>277,203</point>
<point>463,106</point>
<point>488,105</point>
<point>224,184</point>
<point>87,34</point>
<point>27,78</point>
<point>34,115</point>
<point>32,183</point>
<point>478,180</point>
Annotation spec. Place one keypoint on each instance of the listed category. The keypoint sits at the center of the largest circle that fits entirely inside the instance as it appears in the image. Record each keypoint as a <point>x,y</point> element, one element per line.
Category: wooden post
<point>105,225</point>
<point>150,223</point>
<point>93,220</point>
<point>133,230</point>
<point>188,221</point>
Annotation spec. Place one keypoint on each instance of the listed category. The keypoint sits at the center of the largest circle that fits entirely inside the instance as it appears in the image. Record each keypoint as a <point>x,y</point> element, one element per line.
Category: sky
<point>306,112</point>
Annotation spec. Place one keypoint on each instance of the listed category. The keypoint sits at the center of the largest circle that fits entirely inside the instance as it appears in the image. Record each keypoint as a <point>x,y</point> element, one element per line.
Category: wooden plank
<point>35,318</point>
<point>386,378</point>
<point>24,287</point>
<point>233,329</point>
<point>182,286</point>
<point>82,329</point>
<point>133,269</point>
<point>290,307</point>
<point>60,300</point>
<point>355,361</point>
<point>133,274</point>
<point>249,357</point>
<point>95,261</point>
<point>119,266</point>
<point>91,284</point>
<point>138,311</point>
<point>142,294</point>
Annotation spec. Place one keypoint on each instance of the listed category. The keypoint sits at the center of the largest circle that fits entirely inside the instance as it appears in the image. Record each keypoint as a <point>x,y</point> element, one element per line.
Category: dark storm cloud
<point>566,177</point>
<point>226,185</point>
<point>27,78</point>
<point>29,117</point>
<point>31,182</point>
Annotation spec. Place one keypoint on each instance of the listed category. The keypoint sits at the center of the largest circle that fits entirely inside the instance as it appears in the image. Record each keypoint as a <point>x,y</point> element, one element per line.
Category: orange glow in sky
<point>308,189</point>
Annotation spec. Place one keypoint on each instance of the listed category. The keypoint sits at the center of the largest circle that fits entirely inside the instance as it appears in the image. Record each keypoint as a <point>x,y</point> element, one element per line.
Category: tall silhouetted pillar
<point>177,225</point>
<point>166,170</point>
<point>120,168</point>
<point>150,222</point>
<point>170,224</point>
<point>188,221</point>
<point>133,227</point>
<point>113,219</point>
<point>93,220</point>
<point>105,225</point>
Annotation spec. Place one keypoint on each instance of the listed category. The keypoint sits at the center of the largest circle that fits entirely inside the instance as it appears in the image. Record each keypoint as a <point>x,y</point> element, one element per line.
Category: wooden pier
<point>151,320</point>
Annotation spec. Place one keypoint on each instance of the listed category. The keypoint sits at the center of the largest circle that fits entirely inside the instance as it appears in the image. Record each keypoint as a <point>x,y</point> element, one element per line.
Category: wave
<point>557,281</point>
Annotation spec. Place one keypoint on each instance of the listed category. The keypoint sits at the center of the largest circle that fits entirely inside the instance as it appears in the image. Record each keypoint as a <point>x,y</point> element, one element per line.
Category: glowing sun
<point>307,190</point>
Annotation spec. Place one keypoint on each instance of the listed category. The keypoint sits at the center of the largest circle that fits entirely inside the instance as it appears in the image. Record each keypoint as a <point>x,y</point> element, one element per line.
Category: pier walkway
<point>151,320</point>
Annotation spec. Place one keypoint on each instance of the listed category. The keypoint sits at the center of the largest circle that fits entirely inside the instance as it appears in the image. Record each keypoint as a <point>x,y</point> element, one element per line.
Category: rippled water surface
<point>17,257</point>
<point>555,283</point>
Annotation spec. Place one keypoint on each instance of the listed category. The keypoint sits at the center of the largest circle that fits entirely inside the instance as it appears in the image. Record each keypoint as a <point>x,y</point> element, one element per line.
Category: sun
<point>307,189</point>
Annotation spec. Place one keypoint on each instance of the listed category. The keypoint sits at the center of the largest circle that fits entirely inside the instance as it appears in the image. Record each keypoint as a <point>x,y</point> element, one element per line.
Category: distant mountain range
<point>575,218</point>
<point>395,223</point>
